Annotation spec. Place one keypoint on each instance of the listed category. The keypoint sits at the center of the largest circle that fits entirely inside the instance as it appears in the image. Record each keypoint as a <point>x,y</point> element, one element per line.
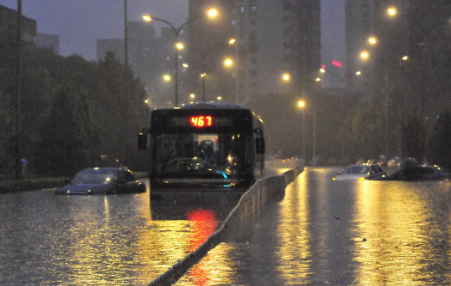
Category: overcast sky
<point>79,23</point>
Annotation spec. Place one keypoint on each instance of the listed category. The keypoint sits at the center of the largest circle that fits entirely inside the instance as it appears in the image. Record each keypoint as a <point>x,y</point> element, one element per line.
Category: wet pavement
<point>48,239</point>
<point>340,233</point>
<point>324,232</point>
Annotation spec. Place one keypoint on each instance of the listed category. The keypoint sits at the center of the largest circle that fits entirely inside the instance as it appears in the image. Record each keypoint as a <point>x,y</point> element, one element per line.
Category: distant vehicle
<point>394,163</point>
<point>419,173</point>
<point>105,180</point>
<point>360,172</point>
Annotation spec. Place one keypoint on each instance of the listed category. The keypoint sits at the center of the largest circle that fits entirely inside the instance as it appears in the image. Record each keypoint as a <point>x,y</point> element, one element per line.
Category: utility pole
<point>127,87</point>
<point>18,163</point>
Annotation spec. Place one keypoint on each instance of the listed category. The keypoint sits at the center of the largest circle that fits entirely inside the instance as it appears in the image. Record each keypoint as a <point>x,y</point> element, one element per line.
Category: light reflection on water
<point>406,227</point>
<point>323,232</point>
<point>94,240</point>
<point>342,233</point>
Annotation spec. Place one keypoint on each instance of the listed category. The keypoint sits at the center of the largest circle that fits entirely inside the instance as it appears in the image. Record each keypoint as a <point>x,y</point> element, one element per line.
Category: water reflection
<point>294,251</point>
<point>341,233</point>
<point>402,233</point>
<point>93,240</point>
<point>323,232</point>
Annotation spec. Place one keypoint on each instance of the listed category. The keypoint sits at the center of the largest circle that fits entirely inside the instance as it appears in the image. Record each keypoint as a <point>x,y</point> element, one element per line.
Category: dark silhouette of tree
<point>439,147</point>
<point>61,151</point>
<point>411,142</point>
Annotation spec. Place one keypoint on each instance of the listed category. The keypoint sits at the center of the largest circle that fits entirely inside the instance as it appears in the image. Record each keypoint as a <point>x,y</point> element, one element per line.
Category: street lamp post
<point>211,13</point>
<point>365,55</point>
<point>324,70</point>
<point>301,104</point>
<point>203,55</point>
<point>17,159</point>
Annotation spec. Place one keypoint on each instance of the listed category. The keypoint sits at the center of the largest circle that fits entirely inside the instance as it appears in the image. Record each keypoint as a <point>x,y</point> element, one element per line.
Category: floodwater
<point>324,232</point>
<point>47,239</point>
<point>340,233</point>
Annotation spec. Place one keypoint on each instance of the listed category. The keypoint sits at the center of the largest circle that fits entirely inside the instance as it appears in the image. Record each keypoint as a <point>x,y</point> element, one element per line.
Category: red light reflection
<point>203,225</point>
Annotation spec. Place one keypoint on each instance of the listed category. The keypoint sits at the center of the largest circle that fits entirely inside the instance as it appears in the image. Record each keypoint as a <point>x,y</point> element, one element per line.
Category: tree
<point>439,147</point>
<point>412,140</point>
<point>61,151</point>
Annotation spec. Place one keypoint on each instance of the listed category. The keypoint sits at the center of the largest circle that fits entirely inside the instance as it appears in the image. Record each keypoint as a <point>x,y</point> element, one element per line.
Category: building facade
<point>150,57</point>
<point>48,41</point>
<point>273,38</point>
<point>8,20</point>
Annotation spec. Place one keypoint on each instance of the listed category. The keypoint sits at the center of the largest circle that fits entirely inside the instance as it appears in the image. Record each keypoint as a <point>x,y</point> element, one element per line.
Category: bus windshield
<point>222,155</point>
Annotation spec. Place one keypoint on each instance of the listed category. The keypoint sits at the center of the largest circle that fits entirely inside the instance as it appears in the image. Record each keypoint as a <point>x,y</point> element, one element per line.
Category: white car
<point>360,172</point>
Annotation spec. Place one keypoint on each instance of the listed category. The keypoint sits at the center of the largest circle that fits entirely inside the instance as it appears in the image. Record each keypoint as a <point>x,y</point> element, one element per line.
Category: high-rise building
<point>273,38</point>
<point>48,41</point>
<point>8,19</point>
<point>150,57</point>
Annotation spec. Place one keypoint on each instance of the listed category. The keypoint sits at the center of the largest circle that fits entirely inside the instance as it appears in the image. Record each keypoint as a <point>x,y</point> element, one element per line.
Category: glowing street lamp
<point>364,55</point>
<point>372,40</point>
<point>166,77</point>
<point>212,13</point>
<point>286,77</point>
<point>392,11</point>
<point>203,54</point>
<point>179,46</point>
<point>301,104</point>
<point>228,62</point>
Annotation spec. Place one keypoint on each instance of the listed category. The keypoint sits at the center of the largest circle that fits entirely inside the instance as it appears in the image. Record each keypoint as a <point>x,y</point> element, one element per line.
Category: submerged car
<point>419,173</point>
<point>360,172</point>
<point>104,180</point>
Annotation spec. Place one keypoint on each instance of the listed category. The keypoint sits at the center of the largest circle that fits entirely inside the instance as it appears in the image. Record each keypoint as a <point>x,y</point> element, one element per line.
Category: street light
<point>212,13</point>
<point>286,77</point>
<point>301,104</point>
<point>372,40</point>
<point>323,70</point>
<point>392,11</point>
<point>203,55</point>
<point>364,55</point>
<point>228,62</point>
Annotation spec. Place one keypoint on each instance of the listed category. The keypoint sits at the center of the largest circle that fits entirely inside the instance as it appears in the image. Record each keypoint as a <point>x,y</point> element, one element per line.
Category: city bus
<point>203,148</point>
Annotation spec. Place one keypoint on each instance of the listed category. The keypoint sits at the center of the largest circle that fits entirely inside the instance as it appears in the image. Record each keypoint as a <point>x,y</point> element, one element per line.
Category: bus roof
<point>206,105</point>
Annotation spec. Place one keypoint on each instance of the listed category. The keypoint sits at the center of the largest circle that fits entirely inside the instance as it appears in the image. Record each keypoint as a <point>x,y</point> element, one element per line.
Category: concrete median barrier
<point>264,191</point>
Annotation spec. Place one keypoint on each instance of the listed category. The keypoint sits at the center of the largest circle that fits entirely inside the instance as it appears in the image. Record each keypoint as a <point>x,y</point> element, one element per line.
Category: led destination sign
<point>201,121</point>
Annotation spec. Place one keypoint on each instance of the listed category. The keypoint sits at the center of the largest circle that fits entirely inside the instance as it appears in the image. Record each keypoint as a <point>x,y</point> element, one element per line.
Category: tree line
<point>74,113</point>
<point>344,129</point>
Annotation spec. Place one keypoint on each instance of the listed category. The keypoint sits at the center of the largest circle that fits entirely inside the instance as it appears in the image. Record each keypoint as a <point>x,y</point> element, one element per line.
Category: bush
<point>12,186</point>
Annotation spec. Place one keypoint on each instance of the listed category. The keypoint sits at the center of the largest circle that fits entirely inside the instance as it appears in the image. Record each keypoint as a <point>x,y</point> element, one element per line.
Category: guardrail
<point>248,207</point>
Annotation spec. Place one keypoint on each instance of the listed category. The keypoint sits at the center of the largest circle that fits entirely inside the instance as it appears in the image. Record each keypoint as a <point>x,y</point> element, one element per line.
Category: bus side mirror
<point>260,145</point>
<point>142,141</point>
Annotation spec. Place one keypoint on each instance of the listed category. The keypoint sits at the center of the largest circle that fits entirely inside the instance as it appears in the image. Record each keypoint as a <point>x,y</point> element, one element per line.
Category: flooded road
<point>46,239</point>
<point>340,233</point>
<point>324,232</point>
